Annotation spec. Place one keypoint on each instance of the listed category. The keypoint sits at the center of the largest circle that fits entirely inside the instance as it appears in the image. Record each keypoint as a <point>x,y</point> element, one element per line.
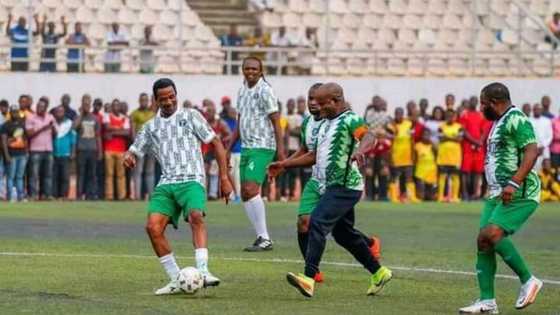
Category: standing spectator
<point>311,42</point>
<point>449,101</point>
<point>377,119</point>
<point>222,130</point>
<point>147,59</point>
<point>116,39</point>
<point>232,39</point>
<point>116,129</point>
<point>226,105</point>
<point>543,131</point>
<point>14,147</point>
<point>89,150</point>
<point>143,172</point>
<point>280,39</point>
<point>25,101</point>
<point>449,158</point>
<point>424,104</point>
<point>545,102</point>
<point>417,125</point>
<point>433,124</point>
<point>50,39</point>
<point>305,172</point>
<point>258,40</point>
<point>295,120</point>
<point>40,130</point>
<point>401,158</point>
<point>526,109</point>
<point>19,35</point>
<point>69,113</point>
<point>235,156</point>
<point>4,108</point>
<point>76,55</point>
<point>64,150</point>
<point>554,27</point>
<point>100,167</point>
<point>472,166</point>
<point>555,146</point>
<point>4,111</point>
<point>550,182</point>
<point>426,168</point>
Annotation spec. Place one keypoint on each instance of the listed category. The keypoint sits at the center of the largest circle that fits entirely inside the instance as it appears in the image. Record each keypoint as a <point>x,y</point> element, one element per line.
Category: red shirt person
<point>116,128</point>
<point>472,167</point>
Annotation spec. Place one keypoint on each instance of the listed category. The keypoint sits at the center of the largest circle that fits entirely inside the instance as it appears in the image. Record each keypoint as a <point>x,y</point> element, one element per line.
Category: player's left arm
<point>524,136</point>
<point>278,135</point>
<point>367,140</point>
<point>223,166</point>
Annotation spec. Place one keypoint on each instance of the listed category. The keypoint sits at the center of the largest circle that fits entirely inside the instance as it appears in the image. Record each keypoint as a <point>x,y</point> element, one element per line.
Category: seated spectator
<point>554,27</point>
<point>14,147</point>
<point>280,39</point>
<point>19,35</point>
<point>232,39</point>
<point>39,128</point>
<point>64,150</point>
<point>449,158</point>
<point>426,168</point>
<point>550,182</point>
<point>147,59</point>
<point>305,59</point>
<point>555,146</point>
<point>50,39</point>
<point>116,39</point>
<point>258,40</point>
<point>76,55</point>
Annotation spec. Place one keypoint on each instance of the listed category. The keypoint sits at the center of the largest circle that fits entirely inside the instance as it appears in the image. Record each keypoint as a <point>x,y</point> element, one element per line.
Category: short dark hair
<point>162,84</point>
<point>496,91</point>
<point>143,94</point>
<point>315,86</point>
<point>44,99</point>
<point>4,103</point>
<point>98,101</point>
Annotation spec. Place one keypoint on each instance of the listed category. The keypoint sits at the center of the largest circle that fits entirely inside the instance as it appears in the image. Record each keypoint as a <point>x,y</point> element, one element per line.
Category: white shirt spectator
<point>543,131</point>
<point>114,55</point>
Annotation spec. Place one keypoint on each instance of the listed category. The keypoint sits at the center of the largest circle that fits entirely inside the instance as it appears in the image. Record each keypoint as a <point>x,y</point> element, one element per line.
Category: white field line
<point>271,260</point>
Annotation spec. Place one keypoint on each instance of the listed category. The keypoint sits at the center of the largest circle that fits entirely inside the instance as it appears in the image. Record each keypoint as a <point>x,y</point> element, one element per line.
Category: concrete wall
<point>197,87</point>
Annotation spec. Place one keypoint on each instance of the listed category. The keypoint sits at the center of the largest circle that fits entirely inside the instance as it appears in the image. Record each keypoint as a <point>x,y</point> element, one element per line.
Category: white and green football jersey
<point>505,146</point>
<point>254,106</point>
<point>175,142</point>
<point>336,141</point>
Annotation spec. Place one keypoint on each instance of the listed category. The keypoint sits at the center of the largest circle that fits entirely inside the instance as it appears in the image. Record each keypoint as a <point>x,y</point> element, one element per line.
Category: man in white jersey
<point>261,139</point>
<point>174,137</point>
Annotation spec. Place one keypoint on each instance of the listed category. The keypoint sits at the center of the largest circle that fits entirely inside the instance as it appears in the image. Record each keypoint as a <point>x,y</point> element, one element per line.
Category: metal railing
<point>283,61</point>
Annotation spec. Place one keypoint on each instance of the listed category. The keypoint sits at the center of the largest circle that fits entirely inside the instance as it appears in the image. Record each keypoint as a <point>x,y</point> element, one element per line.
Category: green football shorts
<point>172,200</point>
<point>510,217</point>
<point>254,163</point>
<point>309,197</point>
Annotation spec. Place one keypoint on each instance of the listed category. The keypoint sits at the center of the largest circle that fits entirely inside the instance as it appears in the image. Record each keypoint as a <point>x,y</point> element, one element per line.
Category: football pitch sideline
<point>94,258</point>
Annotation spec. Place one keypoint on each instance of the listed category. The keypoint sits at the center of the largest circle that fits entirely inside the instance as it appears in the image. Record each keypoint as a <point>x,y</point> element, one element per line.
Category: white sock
<point>255,207</point>
<point>201,258</point>
<point>170,265</point>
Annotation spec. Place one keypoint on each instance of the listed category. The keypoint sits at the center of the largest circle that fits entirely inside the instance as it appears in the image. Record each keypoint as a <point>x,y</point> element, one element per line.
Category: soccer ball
<point>190,280</point>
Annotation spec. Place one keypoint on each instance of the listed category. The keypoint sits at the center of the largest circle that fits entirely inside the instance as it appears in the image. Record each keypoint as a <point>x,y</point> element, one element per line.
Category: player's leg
<point>191,196</point>
<point>253,172</point>
<point>410,185</point>
<point>455,184</point>
<point>308,201</point>
<point>442,179</point>
<point>394,191</point>
<point>162,210</point>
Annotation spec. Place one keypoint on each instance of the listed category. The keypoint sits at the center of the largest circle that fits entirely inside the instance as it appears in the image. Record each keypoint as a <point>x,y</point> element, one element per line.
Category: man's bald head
<point>330,98</point>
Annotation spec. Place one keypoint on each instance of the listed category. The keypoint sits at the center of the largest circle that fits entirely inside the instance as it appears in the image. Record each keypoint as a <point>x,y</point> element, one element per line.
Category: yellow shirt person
<point>401,152</point>
<point>449,158</point>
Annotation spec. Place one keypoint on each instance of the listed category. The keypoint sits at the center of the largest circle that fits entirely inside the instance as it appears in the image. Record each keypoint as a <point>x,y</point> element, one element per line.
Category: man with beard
<point>514,193</point>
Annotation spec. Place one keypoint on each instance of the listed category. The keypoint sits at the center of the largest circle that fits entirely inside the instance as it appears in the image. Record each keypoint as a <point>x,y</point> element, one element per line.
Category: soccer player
<point>401,157</point>
<point>174,137</point>
<point>514,191</point>
<point>449,157</point>
<point>336,168</point>
<point>313,189</point>
<point>261,139</point>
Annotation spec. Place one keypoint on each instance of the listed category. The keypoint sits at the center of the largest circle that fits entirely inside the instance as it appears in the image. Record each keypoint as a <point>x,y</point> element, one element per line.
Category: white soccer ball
<point>190,280</point>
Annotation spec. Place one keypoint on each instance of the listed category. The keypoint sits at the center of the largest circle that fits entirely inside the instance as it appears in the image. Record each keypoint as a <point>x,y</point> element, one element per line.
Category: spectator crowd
<point>422,153</point>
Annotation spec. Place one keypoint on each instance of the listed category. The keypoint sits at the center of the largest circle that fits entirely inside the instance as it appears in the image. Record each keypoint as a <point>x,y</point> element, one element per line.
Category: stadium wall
<point>358,91</point>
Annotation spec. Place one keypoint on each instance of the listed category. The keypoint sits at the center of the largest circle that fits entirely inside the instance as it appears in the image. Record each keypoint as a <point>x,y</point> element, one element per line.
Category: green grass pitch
<point>94,258</point>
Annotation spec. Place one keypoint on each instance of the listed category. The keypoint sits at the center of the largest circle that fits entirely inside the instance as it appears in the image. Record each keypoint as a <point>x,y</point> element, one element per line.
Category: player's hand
<point>226,187</point>
<point>275,169</point>
<point>360,158</point>
<point>507,194</point>
<point>129,160</point>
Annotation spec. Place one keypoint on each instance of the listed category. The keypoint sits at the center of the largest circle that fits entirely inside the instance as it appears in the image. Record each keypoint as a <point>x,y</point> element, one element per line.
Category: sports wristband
<point>513,184</point>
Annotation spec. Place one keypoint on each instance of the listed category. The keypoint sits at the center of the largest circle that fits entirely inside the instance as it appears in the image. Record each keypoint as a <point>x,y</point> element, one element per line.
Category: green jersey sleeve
<point>521,129</point>
<point>357,126</point>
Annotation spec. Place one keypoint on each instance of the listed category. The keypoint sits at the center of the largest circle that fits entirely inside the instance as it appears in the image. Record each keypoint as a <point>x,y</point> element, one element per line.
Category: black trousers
<point>61,176</point>
<point>335,214</point>
<point>87,174</point>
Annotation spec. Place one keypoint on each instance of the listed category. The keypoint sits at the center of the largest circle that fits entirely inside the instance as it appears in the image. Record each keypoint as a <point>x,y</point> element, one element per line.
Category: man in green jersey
<point>313,189</point>
<point>513,195</point>
<point>336,171</point>
<point>261,140</point>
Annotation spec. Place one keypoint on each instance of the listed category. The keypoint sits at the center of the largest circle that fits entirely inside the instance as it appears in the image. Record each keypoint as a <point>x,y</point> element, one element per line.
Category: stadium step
<point>220,14</point>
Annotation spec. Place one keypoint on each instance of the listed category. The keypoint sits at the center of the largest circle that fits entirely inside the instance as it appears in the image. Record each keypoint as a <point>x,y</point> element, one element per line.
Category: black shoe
<point>260,245</point>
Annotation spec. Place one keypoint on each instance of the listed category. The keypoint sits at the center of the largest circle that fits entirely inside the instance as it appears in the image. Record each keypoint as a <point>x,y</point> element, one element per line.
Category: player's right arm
<point>140,147</point>
<point>305,160</point>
